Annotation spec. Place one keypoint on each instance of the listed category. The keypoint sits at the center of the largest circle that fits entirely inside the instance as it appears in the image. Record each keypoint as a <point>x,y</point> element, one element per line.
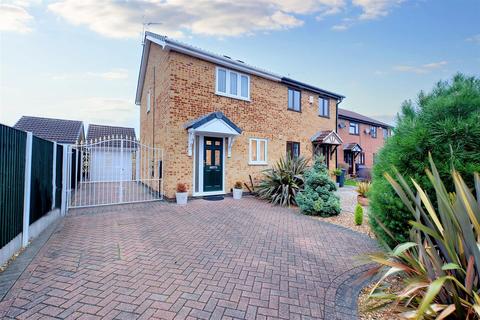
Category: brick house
<point>362,139</point>
<point>220,120</point>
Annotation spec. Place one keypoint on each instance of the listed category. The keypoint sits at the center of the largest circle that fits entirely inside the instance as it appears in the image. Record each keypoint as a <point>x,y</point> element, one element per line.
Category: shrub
<point>181,187</point>
<point>444,122</point>
<point>238,185</point>
<point>282,182</point>
<point>363,188</point>
<point>439,268</point>
<point>358,215</point>
<point>337,172</point>
<point>318,198</point>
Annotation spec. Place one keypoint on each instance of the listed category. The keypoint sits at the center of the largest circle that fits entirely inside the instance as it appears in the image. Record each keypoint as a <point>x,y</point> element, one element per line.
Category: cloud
<point>14,18</point>
<point>123,19</point>
<point>114,74</point>
<point>99,110</point>
<point>475,39</point>
<point>373,9</point>
<point>422,69</point>
<point>117,74</point>
<point>223,18</point>
<point>340,27</point>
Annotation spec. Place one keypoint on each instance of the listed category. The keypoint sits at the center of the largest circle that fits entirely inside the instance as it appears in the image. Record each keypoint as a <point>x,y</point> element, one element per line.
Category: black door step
<point>213,198</point>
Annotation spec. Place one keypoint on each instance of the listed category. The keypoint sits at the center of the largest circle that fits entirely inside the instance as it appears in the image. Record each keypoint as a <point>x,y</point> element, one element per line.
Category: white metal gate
<point>114,170</point>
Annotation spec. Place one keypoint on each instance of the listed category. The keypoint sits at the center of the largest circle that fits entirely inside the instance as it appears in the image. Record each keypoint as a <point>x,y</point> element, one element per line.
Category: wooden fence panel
<point>12,176</point>
<point>41,182</point>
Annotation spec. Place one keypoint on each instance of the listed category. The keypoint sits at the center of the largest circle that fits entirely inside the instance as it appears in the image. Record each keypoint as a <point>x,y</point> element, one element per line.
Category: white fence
<point>114,170</point>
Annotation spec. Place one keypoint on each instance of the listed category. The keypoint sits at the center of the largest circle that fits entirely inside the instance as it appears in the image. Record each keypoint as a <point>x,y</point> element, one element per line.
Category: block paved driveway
<point>208,260</point>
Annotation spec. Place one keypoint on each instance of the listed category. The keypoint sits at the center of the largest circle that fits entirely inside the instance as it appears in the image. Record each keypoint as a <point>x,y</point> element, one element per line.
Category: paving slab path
<point>208,260</point>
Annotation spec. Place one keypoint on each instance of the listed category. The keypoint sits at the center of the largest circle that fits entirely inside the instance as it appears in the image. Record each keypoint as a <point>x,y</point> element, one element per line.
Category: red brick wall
<point>369,144</point>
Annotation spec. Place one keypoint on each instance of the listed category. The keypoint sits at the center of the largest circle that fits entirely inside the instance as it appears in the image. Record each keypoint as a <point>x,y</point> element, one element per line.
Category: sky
<point>80,59</point>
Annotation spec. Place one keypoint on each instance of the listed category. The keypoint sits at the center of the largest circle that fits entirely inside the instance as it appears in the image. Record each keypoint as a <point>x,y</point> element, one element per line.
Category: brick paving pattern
<point>208,260</point>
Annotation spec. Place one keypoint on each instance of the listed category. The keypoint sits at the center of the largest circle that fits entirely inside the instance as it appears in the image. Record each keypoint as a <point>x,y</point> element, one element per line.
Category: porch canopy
<point>327,137</point>
<point>325,143</point>
<point>214,124</point>
<point>353,147</point>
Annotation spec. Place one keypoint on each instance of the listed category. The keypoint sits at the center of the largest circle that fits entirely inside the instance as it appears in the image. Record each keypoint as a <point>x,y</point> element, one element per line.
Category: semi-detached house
<point>220,120</point>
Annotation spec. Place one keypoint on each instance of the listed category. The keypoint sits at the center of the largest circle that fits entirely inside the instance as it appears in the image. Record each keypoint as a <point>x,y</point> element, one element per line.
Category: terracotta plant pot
<point>182,198</point>
<point>237,194</point>
<point>363,201</point>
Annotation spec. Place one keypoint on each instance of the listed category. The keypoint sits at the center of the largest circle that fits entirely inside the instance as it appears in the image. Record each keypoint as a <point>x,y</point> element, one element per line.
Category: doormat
<point>213,198</point>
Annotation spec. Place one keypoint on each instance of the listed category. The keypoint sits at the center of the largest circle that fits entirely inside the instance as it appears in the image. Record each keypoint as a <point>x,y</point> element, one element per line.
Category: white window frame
<point>149,100</point>
<point>385,133</point>
<point>357,126</point>
<point>257,162</point>
<point>374,132</point>
<point>227,84</point>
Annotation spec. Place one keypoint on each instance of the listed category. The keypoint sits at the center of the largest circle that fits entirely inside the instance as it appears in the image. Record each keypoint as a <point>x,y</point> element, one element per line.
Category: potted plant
<point>362,190</point>
<point>181,194</point>
<point>337,172</point>
<point>237,190</point>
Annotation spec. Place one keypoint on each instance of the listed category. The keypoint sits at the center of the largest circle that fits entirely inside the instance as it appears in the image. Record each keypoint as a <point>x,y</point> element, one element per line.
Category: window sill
<point>326,117</point>
<point>298,111</point>
<point>354,134</point>
<point>258,164</point>
<point>226,95</point>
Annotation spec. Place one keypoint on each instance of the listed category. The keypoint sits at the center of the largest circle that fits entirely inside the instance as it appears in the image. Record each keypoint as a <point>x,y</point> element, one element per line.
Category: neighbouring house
<point>362,138</point>
<point>58,130</point>
<point>111,156</point>
<point>220,120</point>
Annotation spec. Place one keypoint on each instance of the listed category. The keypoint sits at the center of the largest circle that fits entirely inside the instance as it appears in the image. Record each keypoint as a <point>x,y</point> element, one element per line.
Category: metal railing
<point>114,170</point>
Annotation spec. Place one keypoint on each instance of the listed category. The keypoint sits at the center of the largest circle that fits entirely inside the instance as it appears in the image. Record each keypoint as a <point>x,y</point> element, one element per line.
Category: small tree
<point>444,122</point>
<point>358,215</point>
<point>318,198</point>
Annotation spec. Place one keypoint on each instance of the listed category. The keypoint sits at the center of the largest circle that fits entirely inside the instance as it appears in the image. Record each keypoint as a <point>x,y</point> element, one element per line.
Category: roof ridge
<point>219,55</point>
<point>362,117</point>
<point>46,118</point>
<point>106,125</point>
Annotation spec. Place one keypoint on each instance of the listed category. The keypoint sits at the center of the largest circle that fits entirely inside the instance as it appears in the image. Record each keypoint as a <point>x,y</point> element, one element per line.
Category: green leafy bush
<point>337,172</point>
<point>439,268</point>
<point>358,215</point>
<point>282,182</point>
<point>444,122</point>
<point>318,198</point>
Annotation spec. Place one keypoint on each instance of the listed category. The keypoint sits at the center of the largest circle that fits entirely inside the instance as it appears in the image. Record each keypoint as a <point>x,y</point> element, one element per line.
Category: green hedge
<point>445,122</point>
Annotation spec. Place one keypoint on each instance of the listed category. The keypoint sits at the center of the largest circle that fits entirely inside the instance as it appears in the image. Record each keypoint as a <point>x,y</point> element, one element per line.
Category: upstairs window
<point>385,133</point>
<point>294,100</point>
<point>324,107</point>
<point>232,84</point>
<point>354,128</point>
<point>374,132</point>
<point>257,151</point>
<point>293,149</point>
<point>149,100</point>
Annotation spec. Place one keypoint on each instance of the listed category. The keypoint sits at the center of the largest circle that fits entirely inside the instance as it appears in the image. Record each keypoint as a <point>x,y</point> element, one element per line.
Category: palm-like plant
<point>282,182</point>
<point>439,269</point>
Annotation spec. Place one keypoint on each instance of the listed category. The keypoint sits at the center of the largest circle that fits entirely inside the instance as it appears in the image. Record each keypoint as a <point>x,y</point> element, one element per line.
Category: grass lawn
<point>350,182</point>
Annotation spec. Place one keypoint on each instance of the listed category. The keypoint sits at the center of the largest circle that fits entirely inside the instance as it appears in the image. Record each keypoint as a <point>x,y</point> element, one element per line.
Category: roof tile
<point>59,130</point>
